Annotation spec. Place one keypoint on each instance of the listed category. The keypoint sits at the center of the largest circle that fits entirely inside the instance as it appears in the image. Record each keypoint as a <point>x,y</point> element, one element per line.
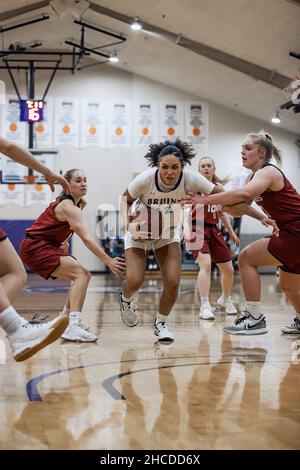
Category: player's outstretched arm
<point>24,157</point>
<point>74,217</point>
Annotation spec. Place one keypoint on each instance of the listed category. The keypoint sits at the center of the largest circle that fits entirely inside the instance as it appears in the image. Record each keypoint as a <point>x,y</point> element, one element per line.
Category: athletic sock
<point>10,320</point>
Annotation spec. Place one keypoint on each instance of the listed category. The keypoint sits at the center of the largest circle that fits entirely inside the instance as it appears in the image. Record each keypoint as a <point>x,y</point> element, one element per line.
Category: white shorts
<point>147,245</point>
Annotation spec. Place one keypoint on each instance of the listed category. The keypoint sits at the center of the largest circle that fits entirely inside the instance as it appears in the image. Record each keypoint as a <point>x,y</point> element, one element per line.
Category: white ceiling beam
<point>253,70</point>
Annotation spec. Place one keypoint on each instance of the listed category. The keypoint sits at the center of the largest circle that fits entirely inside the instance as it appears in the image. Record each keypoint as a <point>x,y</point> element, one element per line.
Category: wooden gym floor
<point>207,390</point>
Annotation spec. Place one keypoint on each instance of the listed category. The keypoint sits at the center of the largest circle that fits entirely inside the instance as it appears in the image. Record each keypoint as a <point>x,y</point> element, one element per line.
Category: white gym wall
<point>109,171</point>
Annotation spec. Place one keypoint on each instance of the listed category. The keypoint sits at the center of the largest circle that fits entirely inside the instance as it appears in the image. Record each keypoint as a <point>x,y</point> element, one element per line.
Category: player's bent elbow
<point>245,196</point>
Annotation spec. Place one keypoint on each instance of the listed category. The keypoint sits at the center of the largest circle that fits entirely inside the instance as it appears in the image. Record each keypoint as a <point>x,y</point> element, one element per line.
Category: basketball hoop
<point>30,179</point>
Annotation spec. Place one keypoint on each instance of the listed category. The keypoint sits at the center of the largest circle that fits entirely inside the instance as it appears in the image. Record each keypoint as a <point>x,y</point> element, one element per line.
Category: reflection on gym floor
<point>207,390</point>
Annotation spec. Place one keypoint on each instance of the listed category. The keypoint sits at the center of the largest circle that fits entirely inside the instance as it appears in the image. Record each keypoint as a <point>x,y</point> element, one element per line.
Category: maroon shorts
<point>215,245</point>
<point>3,235</point>
<point>286,247</point>
<point>41,256</point>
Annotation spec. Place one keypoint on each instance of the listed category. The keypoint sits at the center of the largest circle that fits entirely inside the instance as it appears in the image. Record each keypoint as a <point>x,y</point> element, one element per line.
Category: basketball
<point>145,222</point>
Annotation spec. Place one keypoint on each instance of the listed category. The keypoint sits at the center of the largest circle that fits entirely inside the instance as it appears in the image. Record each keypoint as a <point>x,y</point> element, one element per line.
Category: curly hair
<point>182,150</point>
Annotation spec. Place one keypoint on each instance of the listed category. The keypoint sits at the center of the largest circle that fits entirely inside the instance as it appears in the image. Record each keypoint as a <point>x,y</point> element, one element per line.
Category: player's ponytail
<point>265,141</point>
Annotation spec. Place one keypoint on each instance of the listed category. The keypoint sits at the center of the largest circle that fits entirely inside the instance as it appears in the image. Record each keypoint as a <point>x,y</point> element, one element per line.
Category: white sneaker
<point>227,305</point>
<point>31,337</point>
<point>75,333</point>
<point>161,330</point>
<point>206,312</point>
<point>128,312</point>
<point>82,324</point>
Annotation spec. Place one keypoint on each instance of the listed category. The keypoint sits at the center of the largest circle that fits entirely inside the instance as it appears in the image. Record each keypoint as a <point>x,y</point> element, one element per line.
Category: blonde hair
<point>68,176</point>
<point>215,178</point>
<point>265,141</point>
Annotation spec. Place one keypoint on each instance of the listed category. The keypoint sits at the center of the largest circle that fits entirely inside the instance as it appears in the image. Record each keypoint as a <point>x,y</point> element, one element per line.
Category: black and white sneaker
<point>293,329</point>
<point>162,331</point>
<point>247,325</point>
<point>128,312</point>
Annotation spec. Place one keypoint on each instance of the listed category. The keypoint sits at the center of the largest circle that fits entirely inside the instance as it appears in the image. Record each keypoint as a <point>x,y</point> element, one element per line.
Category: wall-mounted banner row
<point>81,122</point>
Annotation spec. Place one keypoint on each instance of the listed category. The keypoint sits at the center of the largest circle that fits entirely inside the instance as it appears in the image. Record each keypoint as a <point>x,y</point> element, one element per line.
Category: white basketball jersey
<point>146,188</point>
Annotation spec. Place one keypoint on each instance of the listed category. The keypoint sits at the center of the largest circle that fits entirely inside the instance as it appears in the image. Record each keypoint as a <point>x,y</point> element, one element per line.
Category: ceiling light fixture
<point>113,58</point>
<point>276,119</point>
<point>136,25</point>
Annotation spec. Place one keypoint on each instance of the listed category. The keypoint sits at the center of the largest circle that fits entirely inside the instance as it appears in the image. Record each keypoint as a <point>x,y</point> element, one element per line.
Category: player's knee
<point>82,274</point>
<point>86,275</point>
<point>23,278</point>
<point>172,286</point>
<point>205,267</point>
<point>242,258</point>
<point>228,269</point>
<point>20,276</point>
<point>134,282</point>
<point>286,286</point>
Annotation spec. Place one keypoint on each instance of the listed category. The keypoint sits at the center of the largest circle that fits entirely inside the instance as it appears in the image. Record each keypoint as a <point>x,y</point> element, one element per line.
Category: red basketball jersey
<point>282,206</point>
<point>47,227</point>
<point>208,215</point>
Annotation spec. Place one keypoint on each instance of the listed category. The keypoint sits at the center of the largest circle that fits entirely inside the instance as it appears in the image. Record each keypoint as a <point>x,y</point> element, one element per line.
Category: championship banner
<point>171,120</point>
<point>12,172</point>
<point>66,121</point>
<point>43,130</point>
<point>12,193</point>
<point>93,123</point>
<point>37,194</point>
<point>12,128</point>
<point>119,123</point>
<point>145,123</point>
<point>196,124</point>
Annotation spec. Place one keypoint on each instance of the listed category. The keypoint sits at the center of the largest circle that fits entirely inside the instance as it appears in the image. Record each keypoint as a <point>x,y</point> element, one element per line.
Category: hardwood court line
<point>34,395</point>
<point>32,385</point>
<point>113,392</point>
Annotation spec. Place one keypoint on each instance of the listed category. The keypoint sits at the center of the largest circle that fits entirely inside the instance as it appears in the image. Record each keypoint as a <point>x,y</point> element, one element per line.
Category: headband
<point>170,150</point>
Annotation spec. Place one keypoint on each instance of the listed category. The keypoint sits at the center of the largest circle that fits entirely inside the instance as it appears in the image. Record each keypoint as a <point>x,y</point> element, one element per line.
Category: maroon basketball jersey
<point>210,214</point>
<point>282,206</point>
<point>47,227</point>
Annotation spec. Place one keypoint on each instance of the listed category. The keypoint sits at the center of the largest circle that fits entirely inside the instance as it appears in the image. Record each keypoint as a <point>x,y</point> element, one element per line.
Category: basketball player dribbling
<point>162,187</point>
